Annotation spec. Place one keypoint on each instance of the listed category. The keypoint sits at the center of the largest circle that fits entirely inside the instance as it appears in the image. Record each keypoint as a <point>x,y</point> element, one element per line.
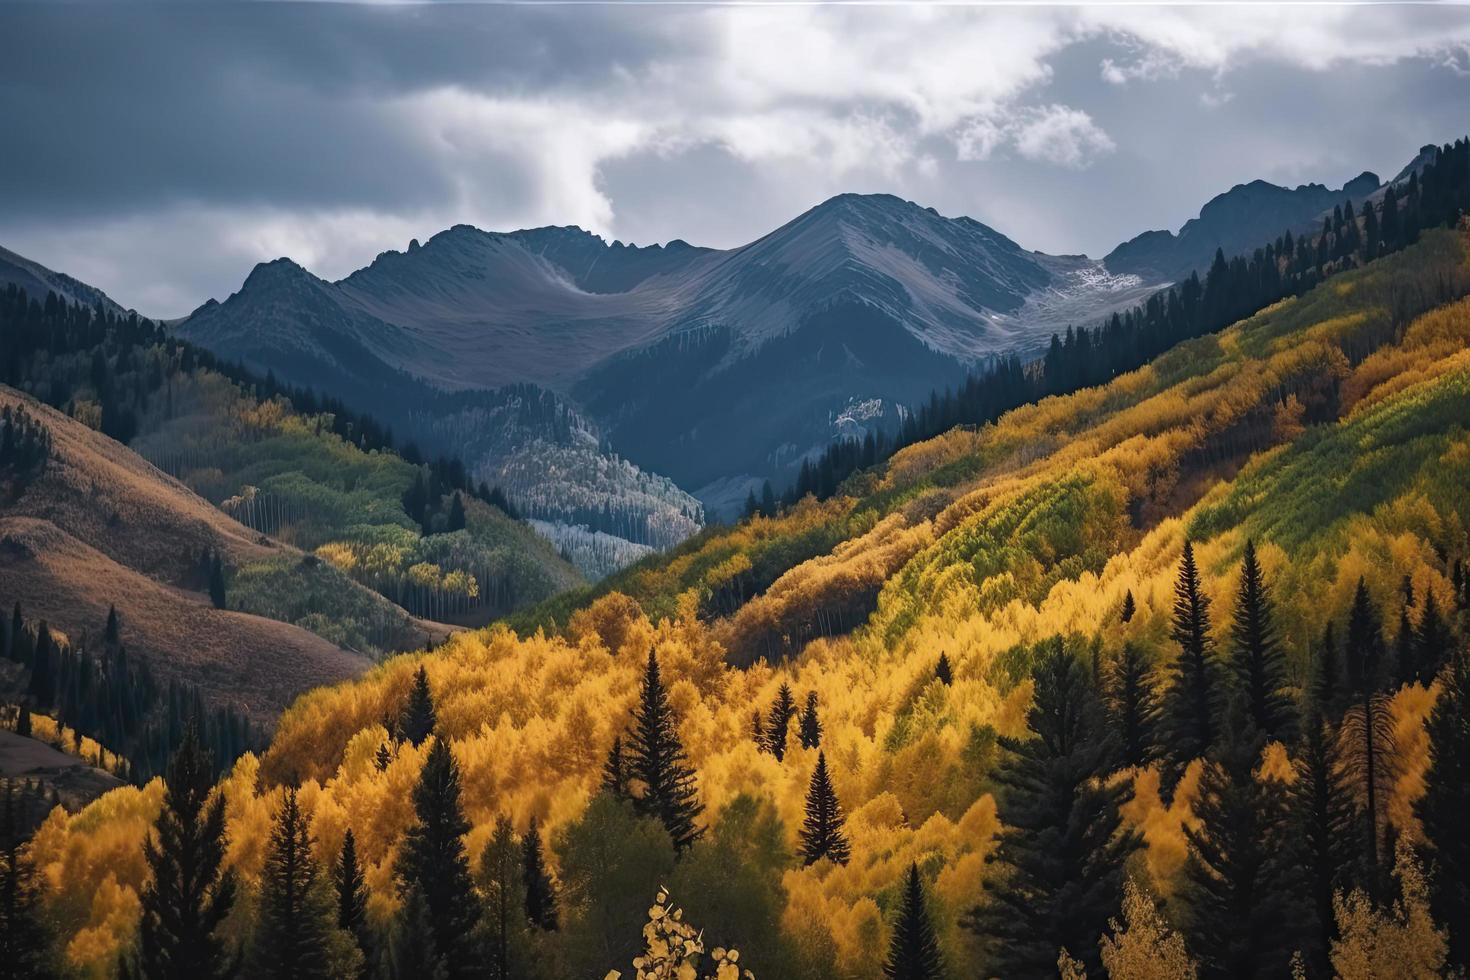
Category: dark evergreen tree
<point>433,862</point>
<point>412,953</point>
<point>24,952</point>
<point>614,776</point>
<point>811,725</point>
<point>821,834</point>
<point>189,891</point>
<point>1404,650</point>
<point>1133,706</point>
<point>352,897</point>
<point>1368,752</point>
<point>658,761</point>
<point>758,730</point>
<point>783,709</point>
<point>291,941</point>
<point>1322,822</point>
<point>1259,664</point>
<point>1130,608</point>
<point>1443,808</point>
<point>503,885</point>
<point>43,678</point>
<point>1188,722</point>
<point>418,715</point>
<point>23,721</point>
<point>1236,901</point>
<point>1062,847</point>
<point>217,582</point>
<point>112,633</point>
<point>768,500</point>
<point>455,521</point>
<point>942,670</point>
<point>1433,641</point>
<point>1327,688</point>
<point>913,952</point>
<point>540,893</point>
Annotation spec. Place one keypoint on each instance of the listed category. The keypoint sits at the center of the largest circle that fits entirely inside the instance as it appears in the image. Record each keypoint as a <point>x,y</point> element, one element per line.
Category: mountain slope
<point>37,280</point>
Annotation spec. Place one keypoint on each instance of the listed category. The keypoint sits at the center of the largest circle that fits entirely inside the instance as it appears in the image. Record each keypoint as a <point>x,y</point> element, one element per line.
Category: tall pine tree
<point>418,715</point>
<point>1367,731</point>
<point>1236,897</point>
<point>913,952</point>
<point>1191,702</point>
<point>1063,846</point>
<point>540,893</point>
<point>822,834</point>
<point>1446,802</point>
<point>658,761</point>
<point>432,861</point>
<point>23,933</point>
<point>614,774</point>
<point>1257,659</point>
<point>1133,706</point>
<point>502,883</point>
<point>352,896</point>
<point>811,725</point>
<point>189,891</point>
<point>783,709</point>
<point>292,939</point>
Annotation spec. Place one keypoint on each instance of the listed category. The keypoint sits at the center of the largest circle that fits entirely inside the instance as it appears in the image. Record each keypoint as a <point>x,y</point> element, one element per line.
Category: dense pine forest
<point>1151,662</point>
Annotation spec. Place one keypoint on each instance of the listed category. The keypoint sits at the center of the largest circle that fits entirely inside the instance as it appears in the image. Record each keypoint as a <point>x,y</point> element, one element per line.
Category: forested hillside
<point>1164,677</point>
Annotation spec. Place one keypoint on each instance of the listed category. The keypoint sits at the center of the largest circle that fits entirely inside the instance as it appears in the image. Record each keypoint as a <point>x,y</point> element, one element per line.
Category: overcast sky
<point>160,151</point>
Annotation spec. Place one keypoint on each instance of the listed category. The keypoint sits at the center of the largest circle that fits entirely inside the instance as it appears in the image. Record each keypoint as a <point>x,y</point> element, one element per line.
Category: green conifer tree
<point>658,761</point>
<point>1063,847</point>
<point>432,861</point>
<point>943,671</point>
<point>822,834</point>
<point>352,897</point>
<point>614,774</point>
<point>1191,702</point>
<point>811,725</point>
<point>418,715</point>
<point>1322,823</point>
<point>189,891</point>
<point>1133,706</point>
<point>501,877</point>
<point>1433,641</point>
<point>1443,808</point>
<point>24,939</point>
<point>1238,877</point>
<point>783,709</point>
<point>1369,752</point>
<point>913,952</point>
<point>1130,607</point>
<point>293,937</point>
<point>217,582</point>
<point>412,954</point>
<point>1259,664</point>
<point>455,521</point>
<point>540,892</point>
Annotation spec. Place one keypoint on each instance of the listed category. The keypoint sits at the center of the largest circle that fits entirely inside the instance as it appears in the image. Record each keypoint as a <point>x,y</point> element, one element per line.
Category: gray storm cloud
<point>160,150</point>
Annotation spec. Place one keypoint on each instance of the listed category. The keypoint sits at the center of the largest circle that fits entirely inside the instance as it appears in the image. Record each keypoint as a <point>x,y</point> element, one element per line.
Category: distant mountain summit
<point>1243,218</point>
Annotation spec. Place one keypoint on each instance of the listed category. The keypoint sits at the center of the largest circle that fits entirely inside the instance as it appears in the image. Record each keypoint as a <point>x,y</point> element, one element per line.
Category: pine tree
<point>913,953</point>
<point>1062,845</point>
<point>1367,729</point>
<point>1133,707</point>
<point>1445,803</point>
<point>540,893</point>
<point>1130,608</point>
<point>811,725</point>
<point>659,762</point>
<point>1432,641</point>
<point>432,861</point>
<point>217,582</point>
<point>23,934</point>
<point>190,891</point>
<point>502,882</point>
<point>1237,875</point>
<point>758,730</point>
<point>1326,689</point>
<point>1322,822</point>
<point>352,897</point>
<point>456,514</point>
<point>418,715</point>
<point>821,832</point>
<point>43,679</point>
<point>942,670</point>
<point>1405,649</point>
<point>1190,705</point>
<point>412,953</point>
<point>768,500</point>
<point>1259,665</point>
<point>783,709</point>
<point>112,633</point>
<point>614,777</point>
<point>291,942</point>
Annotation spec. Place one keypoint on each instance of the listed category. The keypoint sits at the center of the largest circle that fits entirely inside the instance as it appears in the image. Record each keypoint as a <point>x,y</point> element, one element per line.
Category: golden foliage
<point>1396,942</point>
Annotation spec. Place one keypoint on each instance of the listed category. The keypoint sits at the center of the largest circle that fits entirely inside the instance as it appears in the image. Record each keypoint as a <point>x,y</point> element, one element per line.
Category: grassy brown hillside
<point>258,665</point>
<point>99,492</point>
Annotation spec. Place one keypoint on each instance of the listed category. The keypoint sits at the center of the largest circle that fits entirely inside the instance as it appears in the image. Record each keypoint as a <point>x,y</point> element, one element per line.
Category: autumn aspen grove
<point>708,491</point>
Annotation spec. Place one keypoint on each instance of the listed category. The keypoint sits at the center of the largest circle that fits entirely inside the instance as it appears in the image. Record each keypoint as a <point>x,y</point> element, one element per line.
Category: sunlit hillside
<point>1329,429</point>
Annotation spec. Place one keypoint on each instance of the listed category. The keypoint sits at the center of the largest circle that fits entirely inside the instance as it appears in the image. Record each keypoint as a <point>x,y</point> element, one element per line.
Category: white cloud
<point>1054,134</point>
